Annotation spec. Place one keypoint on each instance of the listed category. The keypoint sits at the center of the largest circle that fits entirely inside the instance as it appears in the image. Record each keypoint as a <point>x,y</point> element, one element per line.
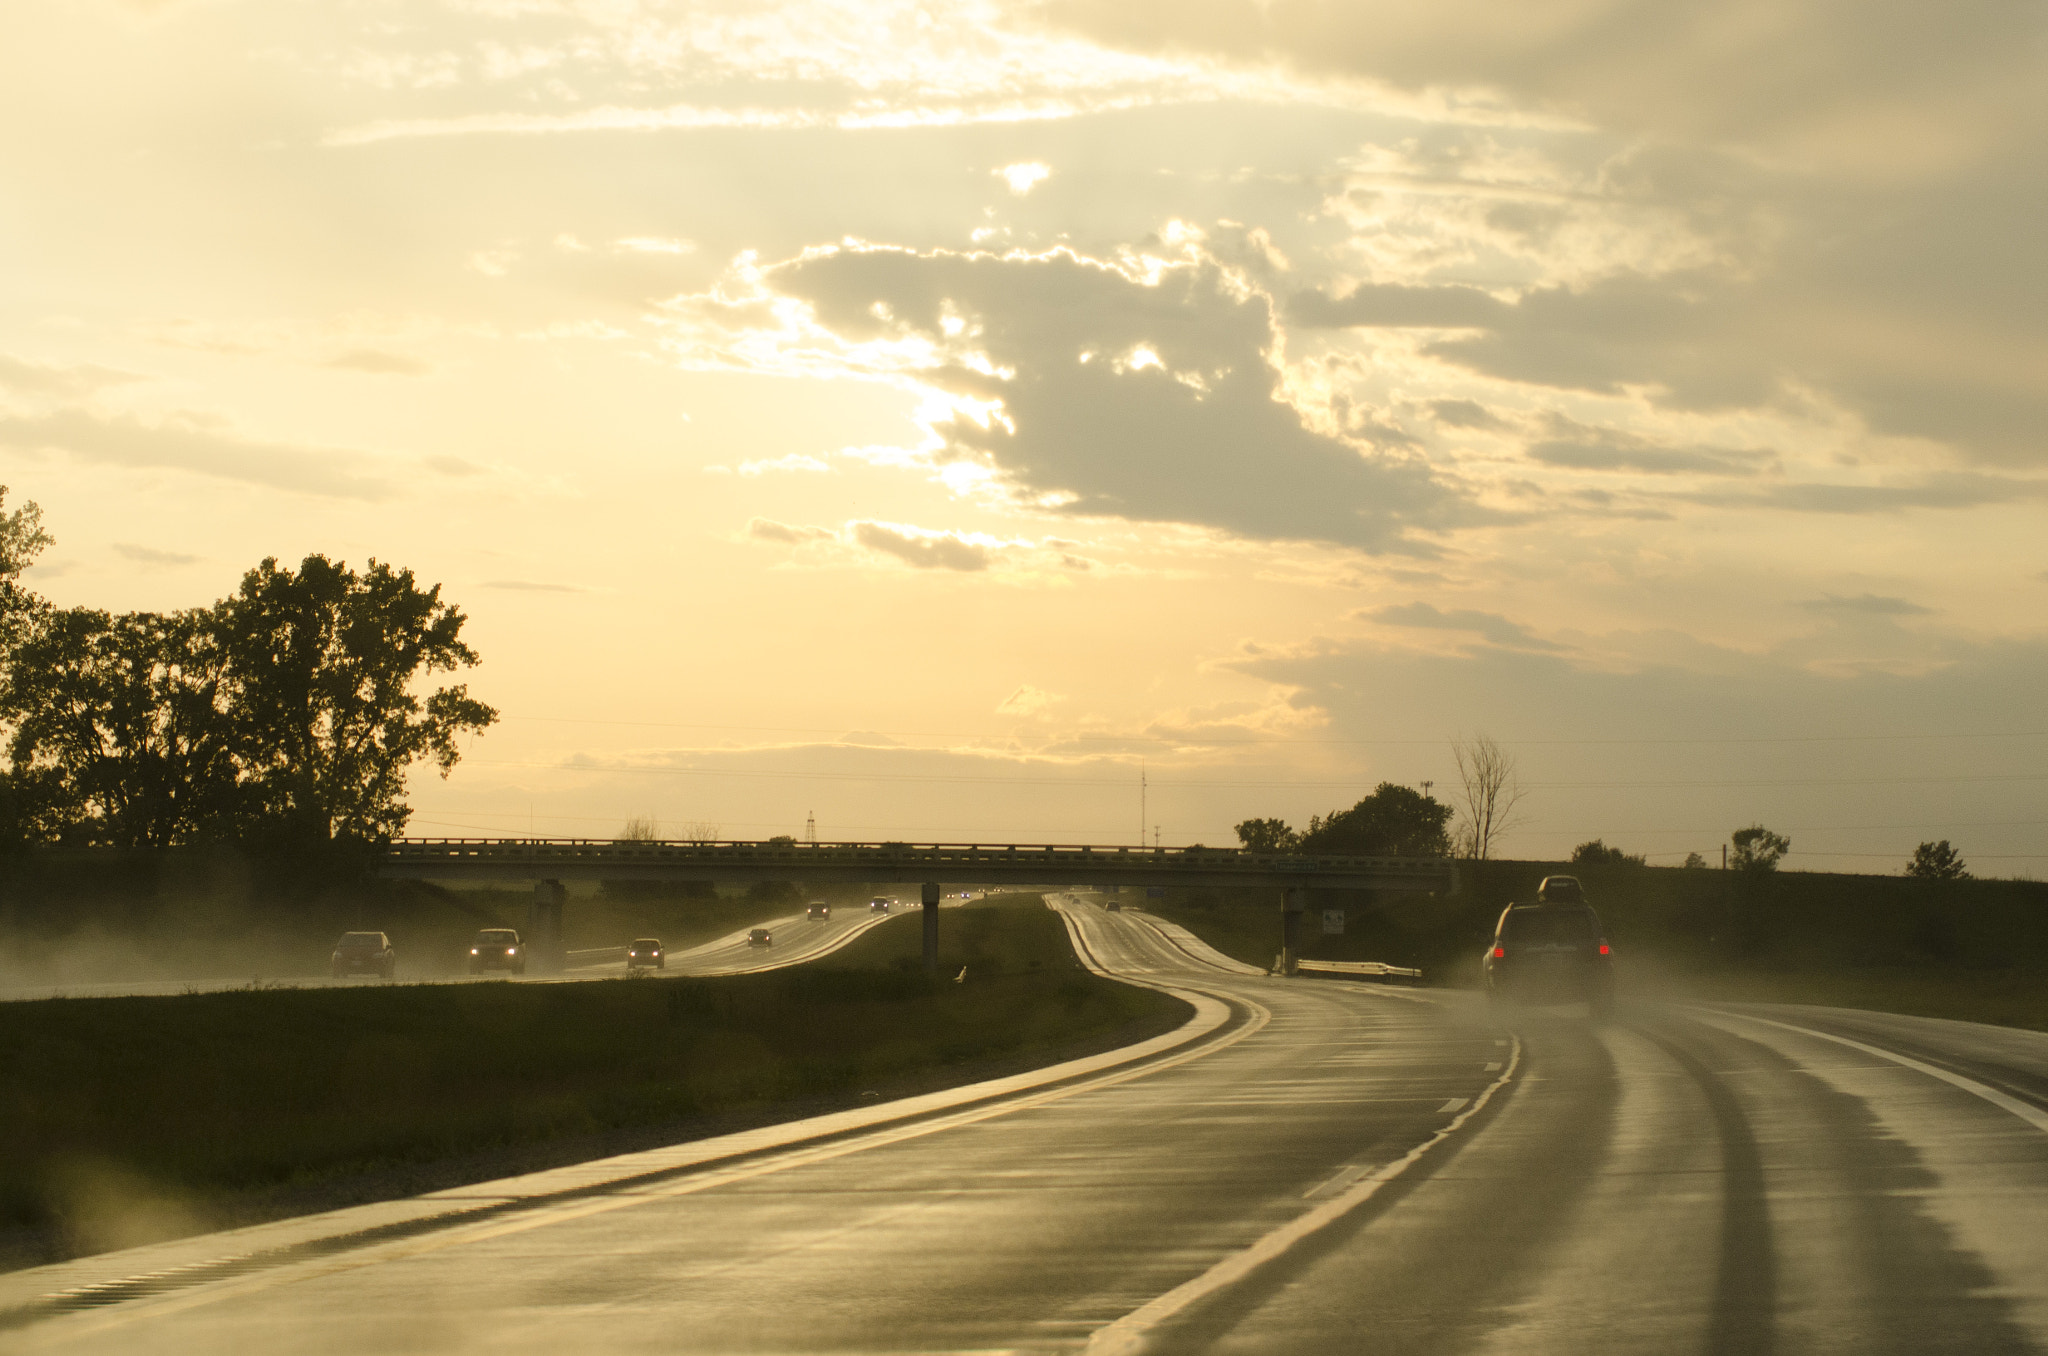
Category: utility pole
<point>1155,836</point>
<point>1425,789</point>
<point>1142,815</point>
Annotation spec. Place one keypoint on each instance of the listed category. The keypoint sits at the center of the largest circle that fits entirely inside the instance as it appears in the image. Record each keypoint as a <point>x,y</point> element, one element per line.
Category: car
<point>880,905</point>
<point>1113,905</point>
<point>1551,951</point>
<point>359,953</point>
<point>646,953</point>
<point>818,910</point>
<point>760,937</point>
<point>497,949</point>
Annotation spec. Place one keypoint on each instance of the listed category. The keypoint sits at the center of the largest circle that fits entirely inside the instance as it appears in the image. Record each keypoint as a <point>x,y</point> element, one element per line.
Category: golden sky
<point>923,414</point>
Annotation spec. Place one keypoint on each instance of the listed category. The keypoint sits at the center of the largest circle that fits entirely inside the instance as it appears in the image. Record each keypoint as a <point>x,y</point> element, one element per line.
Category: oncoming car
<point>497,949</point>
<point>818,911</point>
<point>362,953</point>
<point>760,937</point>
<point>1551,951</point>
<point>646,953</point>
<point>880,905</point>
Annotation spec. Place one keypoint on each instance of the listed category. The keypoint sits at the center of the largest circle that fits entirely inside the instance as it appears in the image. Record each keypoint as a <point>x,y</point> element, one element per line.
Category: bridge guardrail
<point>1358,968</point>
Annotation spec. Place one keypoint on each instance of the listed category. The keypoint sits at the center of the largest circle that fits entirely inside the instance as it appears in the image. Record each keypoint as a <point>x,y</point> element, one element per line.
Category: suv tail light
<point>1603,949</point>
<point>1501,951</point>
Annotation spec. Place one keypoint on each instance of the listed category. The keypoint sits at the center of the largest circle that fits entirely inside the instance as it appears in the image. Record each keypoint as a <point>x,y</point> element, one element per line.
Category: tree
<point>1394,821</point>
<point>1757,850</point>
<point>1597,853</point>
<point>22,539</point>
<point>1267,835</point>
<point>323,662</point>
<point>1490,792</point>
<point>120,733</point>
<point>1694,862</point>
<point>1937,861</point>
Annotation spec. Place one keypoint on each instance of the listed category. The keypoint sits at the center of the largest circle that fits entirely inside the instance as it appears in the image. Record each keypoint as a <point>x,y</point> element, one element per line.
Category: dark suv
<point>1551,951</point>
<point>497,949</point>
<point>362,953</point>
<point>645,952</point>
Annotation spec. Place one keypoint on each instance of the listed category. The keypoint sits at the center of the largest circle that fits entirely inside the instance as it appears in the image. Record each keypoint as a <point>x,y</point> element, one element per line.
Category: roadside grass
<point>130,1119</point>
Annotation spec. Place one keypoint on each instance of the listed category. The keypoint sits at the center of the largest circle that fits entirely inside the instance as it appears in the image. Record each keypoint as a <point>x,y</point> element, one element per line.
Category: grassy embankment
<point>1975,950</point>
<point>127,1119</point>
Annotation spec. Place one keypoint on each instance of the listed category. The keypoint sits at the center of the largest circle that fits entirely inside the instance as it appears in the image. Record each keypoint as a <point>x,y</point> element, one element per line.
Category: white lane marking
<point>1493,1066</point>
<point>2032,1115</point>
<point>1452,1105</point>
<point>1128,1334</point>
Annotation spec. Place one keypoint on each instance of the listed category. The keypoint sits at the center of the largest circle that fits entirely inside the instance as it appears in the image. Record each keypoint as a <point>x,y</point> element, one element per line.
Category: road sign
<point>1333,922</point>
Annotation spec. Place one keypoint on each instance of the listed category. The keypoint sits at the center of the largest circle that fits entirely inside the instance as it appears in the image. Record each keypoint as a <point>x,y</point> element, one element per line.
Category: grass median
<point>131,1119</point>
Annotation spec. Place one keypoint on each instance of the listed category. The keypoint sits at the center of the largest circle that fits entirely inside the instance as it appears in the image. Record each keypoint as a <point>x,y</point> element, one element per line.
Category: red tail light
<point>1603,948</point>
<point>1500,951</point>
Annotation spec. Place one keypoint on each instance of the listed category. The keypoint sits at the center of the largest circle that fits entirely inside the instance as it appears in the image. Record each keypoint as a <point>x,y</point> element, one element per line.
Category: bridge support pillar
<point>1293,903</point>
<point>544,950</point>
<point>931,927</point>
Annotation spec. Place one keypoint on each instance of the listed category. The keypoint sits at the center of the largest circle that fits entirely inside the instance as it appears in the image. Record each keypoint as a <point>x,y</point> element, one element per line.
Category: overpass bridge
<point>547,862</point>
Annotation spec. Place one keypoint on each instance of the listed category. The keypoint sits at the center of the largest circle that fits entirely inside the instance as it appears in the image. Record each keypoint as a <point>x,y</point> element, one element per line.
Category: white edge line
<point>2033,1116</point>
<point>1128,1334</point>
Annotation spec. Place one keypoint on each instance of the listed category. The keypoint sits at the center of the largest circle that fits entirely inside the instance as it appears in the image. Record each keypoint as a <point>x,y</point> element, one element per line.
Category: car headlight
<point>472,951</point>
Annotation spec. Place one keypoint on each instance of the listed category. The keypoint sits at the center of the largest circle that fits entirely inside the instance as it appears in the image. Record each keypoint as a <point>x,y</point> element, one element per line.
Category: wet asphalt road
<point>1336,1167</point>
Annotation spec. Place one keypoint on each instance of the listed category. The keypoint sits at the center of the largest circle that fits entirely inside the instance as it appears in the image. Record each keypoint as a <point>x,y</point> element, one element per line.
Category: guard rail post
<point>1293,903</point>
<point>931,927</point>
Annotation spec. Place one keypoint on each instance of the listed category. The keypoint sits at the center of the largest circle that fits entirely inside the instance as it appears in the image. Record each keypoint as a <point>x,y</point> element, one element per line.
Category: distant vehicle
<point>1113,906</point>
<point>1551,951</point>
<point>497,949</point>
<point>360,953</point>
<point>760,937</point>
<point>646,953</point>
<point>880,905</point>
<point>818,910</point>
<point>964,894</point>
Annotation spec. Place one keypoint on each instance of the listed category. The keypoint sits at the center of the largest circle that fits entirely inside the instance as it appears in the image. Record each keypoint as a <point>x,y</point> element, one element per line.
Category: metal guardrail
<point>1050,864</point>
<point>1357,968</point>
<point>595,955</point>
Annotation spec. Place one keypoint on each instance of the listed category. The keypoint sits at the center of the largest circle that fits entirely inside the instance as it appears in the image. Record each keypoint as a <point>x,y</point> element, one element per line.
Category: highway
<point>1309,1166</point>
<point>796,939</point>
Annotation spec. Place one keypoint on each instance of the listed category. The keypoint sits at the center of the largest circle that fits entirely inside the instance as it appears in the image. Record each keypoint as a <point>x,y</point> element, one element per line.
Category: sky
<point>936,420</point>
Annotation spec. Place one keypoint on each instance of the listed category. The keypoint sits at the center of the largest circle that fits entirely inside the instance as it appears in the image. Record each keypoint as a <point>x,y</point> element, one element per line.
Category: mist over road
<point>1324,1166</point>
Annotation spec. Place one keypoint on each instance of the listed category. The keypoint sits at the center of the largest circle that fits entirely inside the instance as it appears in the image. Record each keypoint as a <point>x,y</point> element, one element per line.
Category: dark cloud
<point>1871,604</point>
<point>30,378</point>
<point>1094,427</point>
<point>767,529</point>
<point>146,555</point>
<point>1490,626</point>
<point>1581,448</point>
<point>379,363</point>
<point>531,586</point>
<point>189,443</point>
<point>942,551</point>
<point>1389,305</point>
<point>1955,490</point>
<point>1465,414</point>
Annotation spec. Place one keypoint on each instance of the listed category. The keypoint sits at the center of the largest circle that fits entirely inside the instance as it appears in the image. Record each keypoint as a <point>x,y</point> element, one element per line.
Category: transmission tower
<point>811,828</point>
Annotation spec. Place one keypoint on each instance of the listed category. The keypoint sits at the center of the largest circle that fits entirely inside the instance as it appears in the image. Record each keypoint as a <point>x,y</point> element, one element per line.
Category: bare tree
<point>1491,791</point>
<point>639,829</point>
<point>701,831</point>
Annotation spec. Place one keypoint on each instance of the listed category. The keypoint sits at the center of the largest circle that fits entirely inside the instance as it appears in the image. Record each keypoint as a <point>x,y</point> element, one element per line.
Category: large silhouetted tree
<point>323,662</point>
<point>1394,821</point>
<point>1267,835</point>
<point>1937,861</point>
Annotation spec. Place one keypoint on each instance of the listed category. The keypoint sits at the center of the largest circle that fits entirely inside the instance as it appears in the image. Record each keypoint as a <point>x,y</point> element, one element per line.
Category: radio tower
<point>811,828</point>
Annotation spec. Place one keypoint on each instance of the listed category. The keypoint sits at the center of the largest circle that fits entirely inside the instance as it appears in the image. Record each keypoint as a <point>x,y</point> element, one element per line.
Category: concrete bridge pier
<point>1293,904</point>
<point>544,950</point>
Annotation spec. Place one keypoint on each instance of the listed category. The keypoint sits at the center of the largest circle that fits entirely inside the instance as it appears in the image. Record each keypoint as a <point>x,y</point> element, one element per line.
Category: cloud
<point>31,378</point>
<point>531,586</point>
<point>1399,306</point>
<point>379,363</point>
<point>1577,447</point>
<point>1490,626</point>
<point>795,461</point>
<point>921,549</point>
<point>1139,390</point>
<point>1870,604</point>
<point>1028,701</point>
<point>452,466</point>
<point>767,529</point>
<point>1952,490</point>
<point>1465,414</point>
<point>146,555</point>
<point>191,443</point>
